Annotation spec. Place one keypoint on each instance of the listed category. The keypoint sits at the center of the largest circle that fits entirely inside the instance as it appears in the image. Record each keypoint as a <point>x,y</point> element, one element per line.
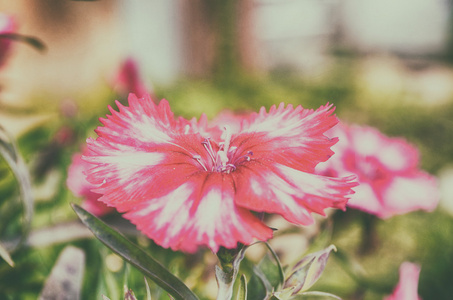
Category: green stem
<point>226,273</point>
<point>370,239</point>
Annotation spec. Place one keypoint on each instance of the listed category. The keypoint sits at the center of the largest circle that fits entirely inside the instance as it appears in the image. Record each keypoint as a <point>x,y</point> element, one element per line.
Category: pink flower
<point>6,26</point>
<point>80,187</point>
<point>129,80</point>
<point>408,283</point>
<point>390,181</point>
<point>185,184</point>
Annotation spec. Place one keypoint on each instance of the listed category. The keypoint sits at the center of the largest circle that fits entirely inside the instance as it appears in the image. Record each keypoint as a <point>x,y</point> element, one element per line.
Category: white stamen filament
<point>221,159</point>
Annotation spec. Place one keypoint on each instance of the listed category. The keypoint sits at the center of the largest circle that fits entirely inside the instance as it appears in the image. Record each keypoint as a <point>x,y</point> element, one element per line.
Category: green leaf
<point>283,294</point>
<point>263,278</point>
<point>135,256</point>
<point>242,290</point>
<point>308,270</point>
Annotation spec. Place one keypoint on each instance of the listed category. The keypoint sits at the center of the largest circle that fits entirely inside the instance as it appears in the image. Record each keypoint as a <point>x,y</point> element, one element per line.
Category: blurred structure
<point>81,38</point>
<point>87,40</point>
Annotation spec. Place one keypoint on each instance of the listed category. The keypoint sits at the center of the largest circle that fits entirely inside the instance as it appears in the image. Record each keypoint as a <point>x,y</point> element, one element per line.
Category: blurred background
<point>387,64</point>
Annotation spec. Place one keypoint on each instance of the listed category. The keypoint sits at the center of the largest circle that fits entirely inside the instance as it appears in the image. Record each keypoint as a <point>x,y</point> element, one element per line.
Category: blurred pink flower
<point>186,184</point>
<point>80,187</point>
<point>408,284</point>
<point>390,182</point>
<point>6,26</point>
<point>129,79</point>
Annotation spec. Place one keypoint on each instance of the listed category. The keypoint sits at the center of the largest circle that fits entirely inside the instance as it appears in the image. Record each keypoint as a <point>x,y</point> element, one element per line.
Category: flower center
<point>370,169</point>
<point>223,160</point>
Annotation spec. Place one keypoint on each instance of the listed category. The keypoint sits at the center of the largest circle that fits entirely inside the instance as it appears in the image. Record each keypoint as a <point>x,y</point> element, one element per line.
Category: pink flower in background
<point>408,284</point>
<point>129,80</point>
<point>80,187</point>
<point>185,184</point>
<point>6,26</point>
<point>387,169</point>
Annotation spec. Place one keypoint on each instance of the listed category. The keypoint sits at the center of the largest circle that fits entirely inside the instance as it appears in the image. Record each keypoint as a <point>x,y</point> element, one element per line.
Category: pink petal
<point>141,152</point>
<point>410,193</point>
<point>289,192</point>
<point>366,199</point>
<point>408,284</point>
<point>199,212</point>
<point>393,153</point>
<point>80,187</point>
<point>129,79</point>
<point>289,136</point>
<point>390,181</point>
<point>184,190</point>
<point>7,25</point>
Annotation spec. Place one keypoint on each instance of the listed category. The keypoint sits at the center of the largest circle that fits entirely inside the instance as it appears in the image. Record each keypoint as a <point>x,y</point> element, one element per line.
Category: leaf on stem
<point>263,278</point>
<point>308,270</point>
<point>135,256</point>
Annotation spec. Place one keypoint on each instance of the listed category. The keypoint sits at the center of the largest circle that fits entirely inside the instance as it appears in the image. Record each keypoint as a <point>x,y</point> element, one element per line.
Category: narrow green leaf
<point>5,255</point>
<point>135,256</point>
<point>277,261</point>
<point>242,290</point>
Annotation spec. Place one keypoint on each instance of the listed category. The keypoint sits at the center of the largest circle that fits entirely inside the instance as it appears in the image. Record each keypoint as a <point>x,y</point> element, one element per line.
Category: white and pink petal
<point>199,212</point>
<point>289,192</point>
<point>417,191</point>
<point>290,136</point>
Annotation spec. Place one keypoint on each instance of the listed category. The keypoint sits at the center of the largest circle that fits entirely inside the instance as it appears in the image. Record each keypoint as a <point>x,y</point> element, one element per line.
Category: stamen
<point>226,136</point>
<point>198,158</point>
<point>222,154</point>
<point>244,157</point>
<point>224,160</point>
<point>207,145</point>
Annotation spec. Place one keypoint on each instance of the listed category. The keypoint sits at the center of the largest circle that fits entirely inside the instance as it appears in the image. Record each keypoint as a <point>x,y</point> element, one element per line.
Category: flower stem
<point>226,273</point>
